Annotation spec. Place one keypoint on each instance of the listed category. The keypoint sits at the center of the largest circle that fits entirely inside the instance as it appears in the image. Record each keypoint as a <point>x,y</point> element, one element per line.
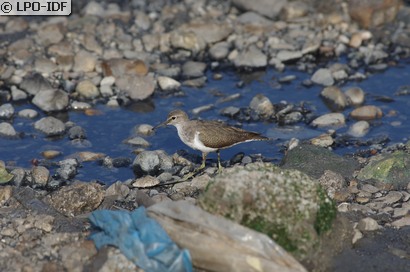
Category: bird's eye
<point>173,117</point>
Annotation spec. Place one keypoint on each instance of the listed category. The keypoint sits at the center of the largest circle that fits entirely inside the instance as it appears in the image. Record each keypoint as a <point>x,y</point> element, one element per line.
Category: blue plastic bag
<point>141,239</point>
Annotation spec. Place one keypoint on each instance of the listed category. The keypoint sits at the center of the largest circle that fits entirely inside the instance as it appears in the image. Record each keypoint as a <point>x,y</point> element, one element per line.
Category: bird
<point>208,136</point>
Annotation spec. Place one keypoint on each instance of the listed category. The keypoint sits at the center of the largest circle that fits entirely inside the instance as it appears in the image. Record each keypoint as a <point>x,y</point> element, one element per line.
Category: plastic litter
<point>141,239</point>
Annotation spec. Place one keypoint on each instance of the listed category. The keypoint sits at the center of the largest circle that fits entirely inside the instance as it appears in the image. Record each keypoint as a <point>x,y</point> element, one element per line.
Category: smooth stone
<point>287,55</point>
<point>84,62</point>
<point>77,105</point>
<point>28,113</point>
<point>368,224</point>
<point>51,100</point>
<point>355,95</point>
<point>120,67</point>
<point>219,51</point>
<point>168,84</point>
<point>193,69</point>
<point>329,120</point>
<point>152,163</point>
<point>357,38</point>
<point>203,108</point>
<point>323,76</point>
<point>262,105</point>
<point>210,32</point>
<point>144,130</point>
<point>17,94</point>
<point>252,57</point>
<point>195,82</point>
<point>323,140</point>
<point>230,111</point>
<point>68,168</point>
<point>50,154</point>
<point>334,98</point>
<point>390,198</point>
<point>136,87</point>
<point>50,126</point>
<point>50,34</point>
<point>146,182</point>
<point>287,79</point>
<point>40,175</point>
<point>76,132</point>
<point>7,130</point>
<point>137,141</point>
<point>370,188</point>
<point>108,81</point>
<point>44,66</point>
<point>94,8</point>
<point>6,111</point>
<point>368,112</point>
<point>359,129</point>
<point>87,89</point>
<point>187,40</point>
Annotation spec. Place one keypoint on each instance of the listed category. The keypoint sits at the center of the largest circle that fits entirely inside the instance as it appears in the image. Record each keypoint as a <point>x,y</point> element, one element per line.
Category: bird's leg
<point>218,152</point>
<point>202,166</point>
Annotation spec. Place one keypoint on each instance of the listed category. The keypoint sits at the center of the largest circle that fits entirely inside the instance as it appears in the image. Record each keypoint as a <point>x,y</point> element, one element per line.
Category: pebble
<point>146,182</point>
<point>368,112</point>
<point>40,175</point>
<point>219,51</point>
<point>193,69</point>
<point>355,95</point>
<point>334,98</point>
<point>17,94</point>
<point>287,55</point>
<point>76,132</point>
<point>7,130</point>
<point>203,108</point>
<point>84,62</point>
<point>35,83</point>
<point>116,68</point>
<point>78,105</point>
<point>137,141</point>
<point>136,87</point>
<point>50,126</point>
<point>68,168</point>
<point>50,154</point>
<point>268,8</point>
<point>144,130</point>
<point>51,100</point>
<point>329,120</point>
<point>368,224</point>
<point>87,89</point>
<point>359,129</point>
<point>230,111</point>
<point>152,162</point>
<point>6,111</point>
<point>168,84</point>
<point>390,198</point>
<point>107,81</point>
<point>262,106</point>
<point>196,82</point>
<point>323,140</point>
<point>323,76</point>
<point>252,57</point>
<point>187,40</point>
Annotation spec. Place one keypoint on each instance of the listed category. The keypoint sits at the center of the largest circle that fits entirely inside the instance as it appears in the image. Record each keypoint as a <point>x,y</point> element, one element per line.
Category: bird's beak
<point>160,125</point>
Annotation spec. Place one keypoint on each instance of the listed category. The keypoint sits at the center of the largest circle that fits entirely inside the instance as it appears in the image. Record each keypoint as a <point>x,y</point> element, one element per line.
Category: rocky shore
<point>330,212</point>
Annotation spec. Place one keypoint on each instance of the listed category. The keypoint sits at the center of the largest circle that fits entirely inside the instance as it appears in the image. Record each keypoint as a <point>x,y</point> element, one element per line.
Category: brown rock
<point>120,67</point>
<point>371,13</point>
<point>366,113</point>
<point>76,199</point>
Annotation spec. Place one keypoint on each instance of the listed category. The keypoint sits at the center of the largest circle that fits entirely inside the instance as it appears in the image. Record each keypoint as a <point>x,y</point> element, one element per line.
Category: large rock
<point>136,87</point>
<point>314,160</point>
<point>287,205</point>
<point>388,168</point>
<point>268,8</point>
<point>51,100</point>
<point>372,13</point>
<point>152,163</point>
<point>77,199</point>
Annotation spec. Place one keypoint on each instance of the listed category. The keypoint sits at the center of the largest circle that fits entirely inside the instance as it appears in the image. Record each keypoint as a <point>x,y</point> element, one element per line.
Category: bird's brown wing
<point>218,135</point>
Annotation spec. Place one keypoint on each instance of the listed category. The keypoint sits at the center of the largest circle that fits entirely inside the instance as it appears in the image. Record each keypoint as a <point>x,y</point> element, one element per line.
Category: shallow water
<point>107,131</point>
